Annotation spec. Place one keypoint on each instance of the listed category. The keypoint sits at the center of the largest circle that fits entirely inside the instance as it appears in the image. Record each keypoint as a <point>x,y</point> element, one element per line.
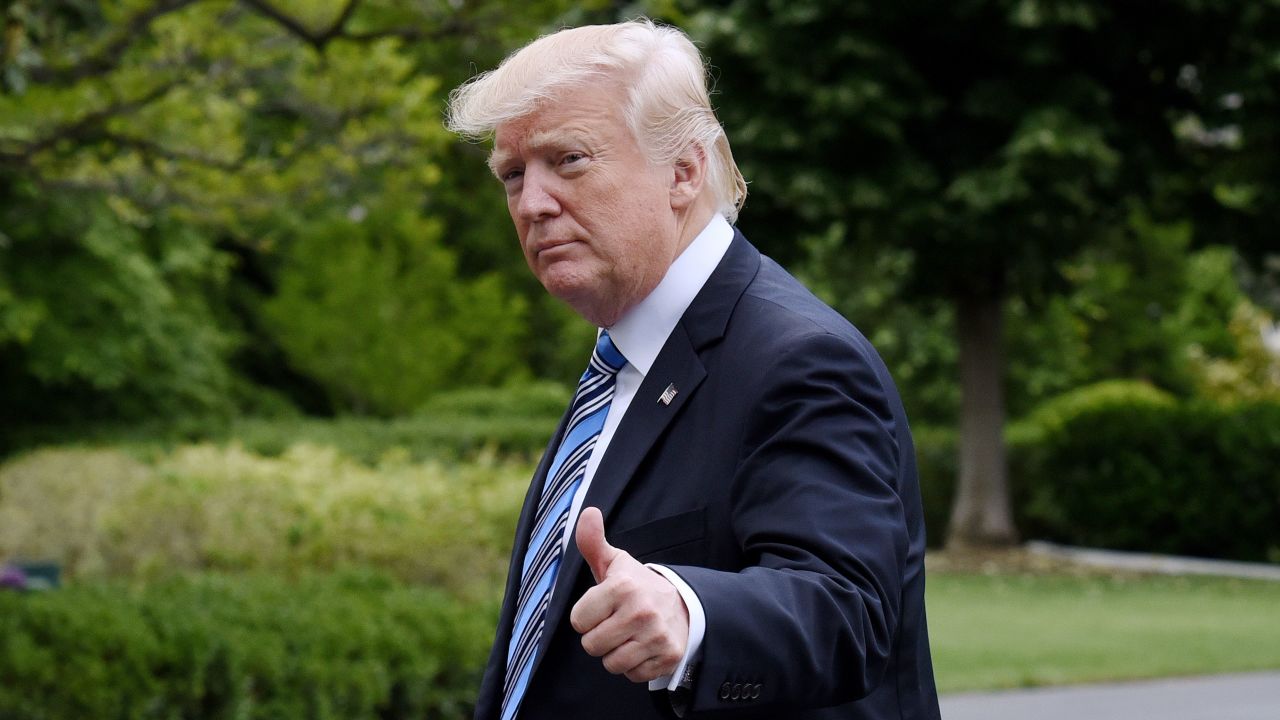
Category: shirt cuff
<point>697,628</point>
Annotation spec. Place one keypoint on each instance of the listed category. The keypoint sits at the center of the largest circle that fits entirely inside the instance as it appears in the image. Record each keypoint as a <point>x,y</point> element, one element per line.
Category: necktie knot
<point>606,359</point>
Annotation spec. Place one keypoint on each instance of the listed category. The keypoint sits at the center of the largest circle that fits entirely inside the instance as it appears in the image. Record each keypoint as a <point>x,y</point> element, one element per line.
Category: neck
<point>692,222</point>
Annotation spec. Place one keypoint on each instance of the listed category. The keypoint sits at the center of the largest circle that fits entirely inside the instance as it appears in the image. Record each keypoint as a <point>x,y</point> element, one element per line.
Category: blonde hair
<point>668,104</point>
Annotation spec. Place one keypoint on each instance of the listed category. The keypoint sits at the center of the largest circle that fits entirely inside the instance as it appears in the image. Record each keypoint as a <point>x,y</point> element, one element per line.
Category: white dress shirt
<point>639,336</point>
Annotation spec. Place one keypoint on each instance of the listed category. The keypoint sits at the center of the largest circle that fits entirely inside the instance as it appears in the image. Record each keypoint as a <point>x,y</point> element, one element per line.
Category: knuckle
<point>672,656</point>
<point>625,585</point>
<point>646,614</point>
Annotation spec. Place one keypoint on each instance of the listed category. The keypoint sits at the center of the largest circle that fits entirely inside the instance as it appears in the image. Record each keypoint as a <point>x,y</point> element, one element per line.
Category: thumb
<point>597,551</point>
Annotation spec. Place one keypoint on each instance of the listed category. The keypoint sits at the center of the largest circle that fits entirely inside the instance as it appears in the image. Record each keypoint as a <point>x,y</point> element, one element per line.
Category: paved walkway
<point>1162,564</point>
<point>1246,696</point>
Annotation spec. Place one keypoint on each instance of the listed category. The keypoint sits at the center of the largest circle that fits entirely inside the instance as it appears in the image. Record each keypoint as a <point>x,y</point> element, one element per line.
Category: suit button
<point>737,692</point>
<point>725,689</point>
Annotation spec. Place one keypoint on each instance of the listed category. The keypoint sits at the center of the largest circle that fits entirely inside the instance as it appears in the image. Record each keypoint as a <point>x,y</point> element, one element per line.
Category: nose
<point>537,197</point>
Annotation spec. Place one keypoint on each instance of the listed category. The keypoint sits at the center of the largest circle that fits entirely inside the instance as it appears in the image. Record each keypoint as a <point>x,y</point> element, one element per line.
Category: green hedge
<point>511,421</point>
<point>1186,478</point>
<point>1123,465</point>
<point>103,513</point>
<point>245,646</point>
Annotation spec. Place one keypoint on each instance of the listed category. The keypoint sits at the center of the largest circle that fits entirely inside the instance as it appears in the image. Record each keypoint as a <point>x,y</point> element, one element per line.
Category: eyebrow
<point>542,139</point>
<point>495,160</point>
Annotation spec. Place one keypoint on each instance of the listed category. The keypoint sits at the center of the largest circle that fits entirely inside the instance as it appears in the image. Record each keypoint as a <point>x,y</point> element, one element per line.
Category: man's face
<point>594,217</point>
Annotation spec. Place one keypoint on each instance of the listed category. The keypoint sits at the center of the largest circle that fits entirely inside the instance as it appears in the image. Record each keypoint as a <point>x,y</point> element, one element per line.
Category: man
<point>728,519</point>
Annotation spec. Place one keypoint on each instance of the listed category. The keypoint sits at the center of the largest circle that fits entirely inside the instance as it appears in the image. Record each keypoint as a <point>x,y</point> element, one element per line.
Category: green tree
<point>370,304</point>
<point>995,140</point>
<point>100,317</point>
<point>179,149</point>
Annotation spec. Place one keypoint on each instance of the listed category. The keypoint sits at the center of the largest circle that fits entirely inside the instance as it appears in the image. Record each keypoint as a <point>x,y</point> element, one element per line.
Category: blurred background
<point>273,373</point>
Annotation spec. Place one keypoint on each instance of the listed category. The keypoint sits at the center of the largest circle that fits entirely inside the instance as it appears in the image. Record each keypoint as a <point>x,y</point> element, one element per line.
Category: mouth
<point>548,245</point>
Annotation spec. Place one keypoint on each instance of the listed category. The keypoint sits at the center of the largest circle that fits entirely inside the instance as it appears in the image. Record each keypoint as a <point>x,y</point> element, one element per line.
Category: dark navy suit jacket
<point>780,483</point>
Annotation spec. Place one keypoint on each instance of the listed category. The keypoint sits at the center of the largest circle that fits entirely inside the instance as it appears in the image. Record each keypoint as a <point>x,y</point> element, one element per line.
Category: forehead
<point>592,111</point>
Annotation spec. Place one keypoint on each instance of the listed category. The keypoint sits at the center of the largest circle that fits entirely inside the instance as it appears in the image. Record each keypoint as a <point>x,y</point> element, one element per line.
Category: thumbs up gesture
<point>633,619</point>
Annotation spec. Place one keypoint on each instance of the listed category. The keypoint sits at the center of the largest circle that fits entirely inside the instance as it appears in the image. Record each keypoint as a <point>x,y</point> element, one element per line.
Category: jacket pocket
<point>657,537</point>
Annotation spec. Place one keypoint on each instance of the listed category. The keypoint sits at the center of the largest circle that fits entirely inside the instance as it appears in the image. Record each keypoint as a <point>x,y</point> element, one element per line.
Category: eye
<point>572,158</point>
<point>511,175</point>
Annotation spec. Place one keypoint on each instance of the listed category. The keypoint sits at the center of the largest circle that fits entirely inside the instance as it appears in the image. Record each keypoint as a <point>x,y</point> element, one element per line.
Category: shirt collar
<point>641,333</point>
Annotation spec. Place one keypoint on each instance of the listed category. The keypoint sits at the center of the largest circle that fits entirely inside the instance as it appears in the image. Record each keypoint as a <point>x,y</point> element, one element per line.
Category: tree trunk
<point>981,514</point>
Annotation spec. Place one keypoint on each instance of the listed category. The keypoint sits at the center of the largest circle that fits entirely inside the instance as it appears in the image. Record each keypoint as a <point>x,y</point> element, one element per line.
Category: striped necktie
<point>546,544</point>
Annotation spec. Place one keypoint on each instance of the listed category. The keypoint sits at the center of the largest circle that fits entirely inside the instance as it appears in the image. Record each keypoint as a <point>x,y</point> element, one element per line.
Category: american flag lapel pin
<point>668,395</point>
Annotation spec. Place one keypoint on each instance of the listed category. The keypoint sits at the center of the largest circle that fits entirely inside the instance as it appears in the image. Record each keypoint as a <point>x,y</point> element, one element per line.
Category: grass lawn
<point>1002,628</point>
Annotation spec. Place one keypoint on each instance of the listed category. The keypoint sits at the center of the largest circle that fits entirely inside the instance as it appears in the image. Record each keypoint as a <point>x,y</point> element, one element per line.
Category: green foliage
<point>511,421</point>
<point>1130,469</point>
<point>541,400</point>
<point>1254,371</point>
<point>101,513</point>
<point>102,317</point>
<point>420,437</point>
<point>1056,414</point>
<point>249,646</point>
<point>916,340</point>
<point>1123,464</point>
<point>168,166</point>
<point>994,139</point>
<point>372,308</point>
<point>1127,294</point>
<point>1144,306</point>
<point>936,460</point>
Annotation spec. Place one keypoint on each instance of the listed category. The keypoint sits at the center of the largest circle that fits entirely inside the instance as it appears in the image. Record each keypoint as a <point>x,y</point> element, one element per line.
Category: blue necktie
<point>546,544</point>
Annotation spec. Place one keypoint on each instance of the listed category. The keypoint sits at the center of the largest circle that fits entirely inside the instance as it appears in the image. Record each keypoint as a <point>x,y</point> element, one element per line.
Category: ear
<point>688,176</point>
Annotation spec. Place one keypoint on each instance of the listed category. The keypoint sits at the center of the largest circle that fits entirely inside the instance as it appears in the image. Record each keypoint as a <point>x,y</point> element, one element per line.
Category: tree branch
<point>110,56</point>
<point>449,28</point>
<point>152,148</point>
<point>288,22</point>
<point>85,125</point>
<point>338,30</point>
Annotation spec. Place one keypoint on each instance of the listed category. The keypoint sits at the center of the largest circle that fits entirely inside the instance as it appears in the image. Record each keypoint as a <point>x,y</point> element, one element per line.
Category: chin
<point>565,281</point>
<point>595,310</point>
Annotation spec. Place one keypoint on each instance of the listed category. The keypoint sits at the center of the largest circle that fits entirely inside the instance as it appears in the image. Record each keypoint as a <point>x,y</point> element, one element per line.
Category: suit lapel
<point>643,424</point>
<point>647,418</point>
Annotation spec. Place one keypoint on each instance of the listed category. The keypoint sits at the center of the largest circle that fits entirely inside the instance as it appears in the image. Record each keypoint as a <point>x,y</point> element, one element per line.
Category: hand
<point>633,618</point>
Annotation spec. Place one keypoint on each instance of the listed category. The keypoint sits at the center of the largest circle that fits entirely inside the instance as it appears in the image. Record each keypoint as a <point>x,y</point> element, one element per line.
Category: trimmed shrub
<point>344,646</point>
<point>103,513</point>
<point>517,420</point>
<point>460,424</point>
<point>1054,414</point>
<point>1121,464</point>
<point>1146,473</point>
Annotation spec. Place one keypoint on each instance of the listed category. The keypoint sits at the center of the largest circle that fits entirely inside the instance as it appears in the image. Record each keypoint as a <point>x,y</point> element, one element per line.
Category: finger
<point>607,634</point>
<point>625,658</point>
<point>638,664</point>
<point>594,607</point>
<point>651,669</point>
<point>598,553</point>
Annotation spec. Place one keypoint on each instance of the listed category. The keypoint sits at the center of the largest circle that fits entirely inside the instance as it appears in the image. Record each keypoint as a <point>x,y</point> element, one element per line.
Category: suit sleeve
<point>811,617</point>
